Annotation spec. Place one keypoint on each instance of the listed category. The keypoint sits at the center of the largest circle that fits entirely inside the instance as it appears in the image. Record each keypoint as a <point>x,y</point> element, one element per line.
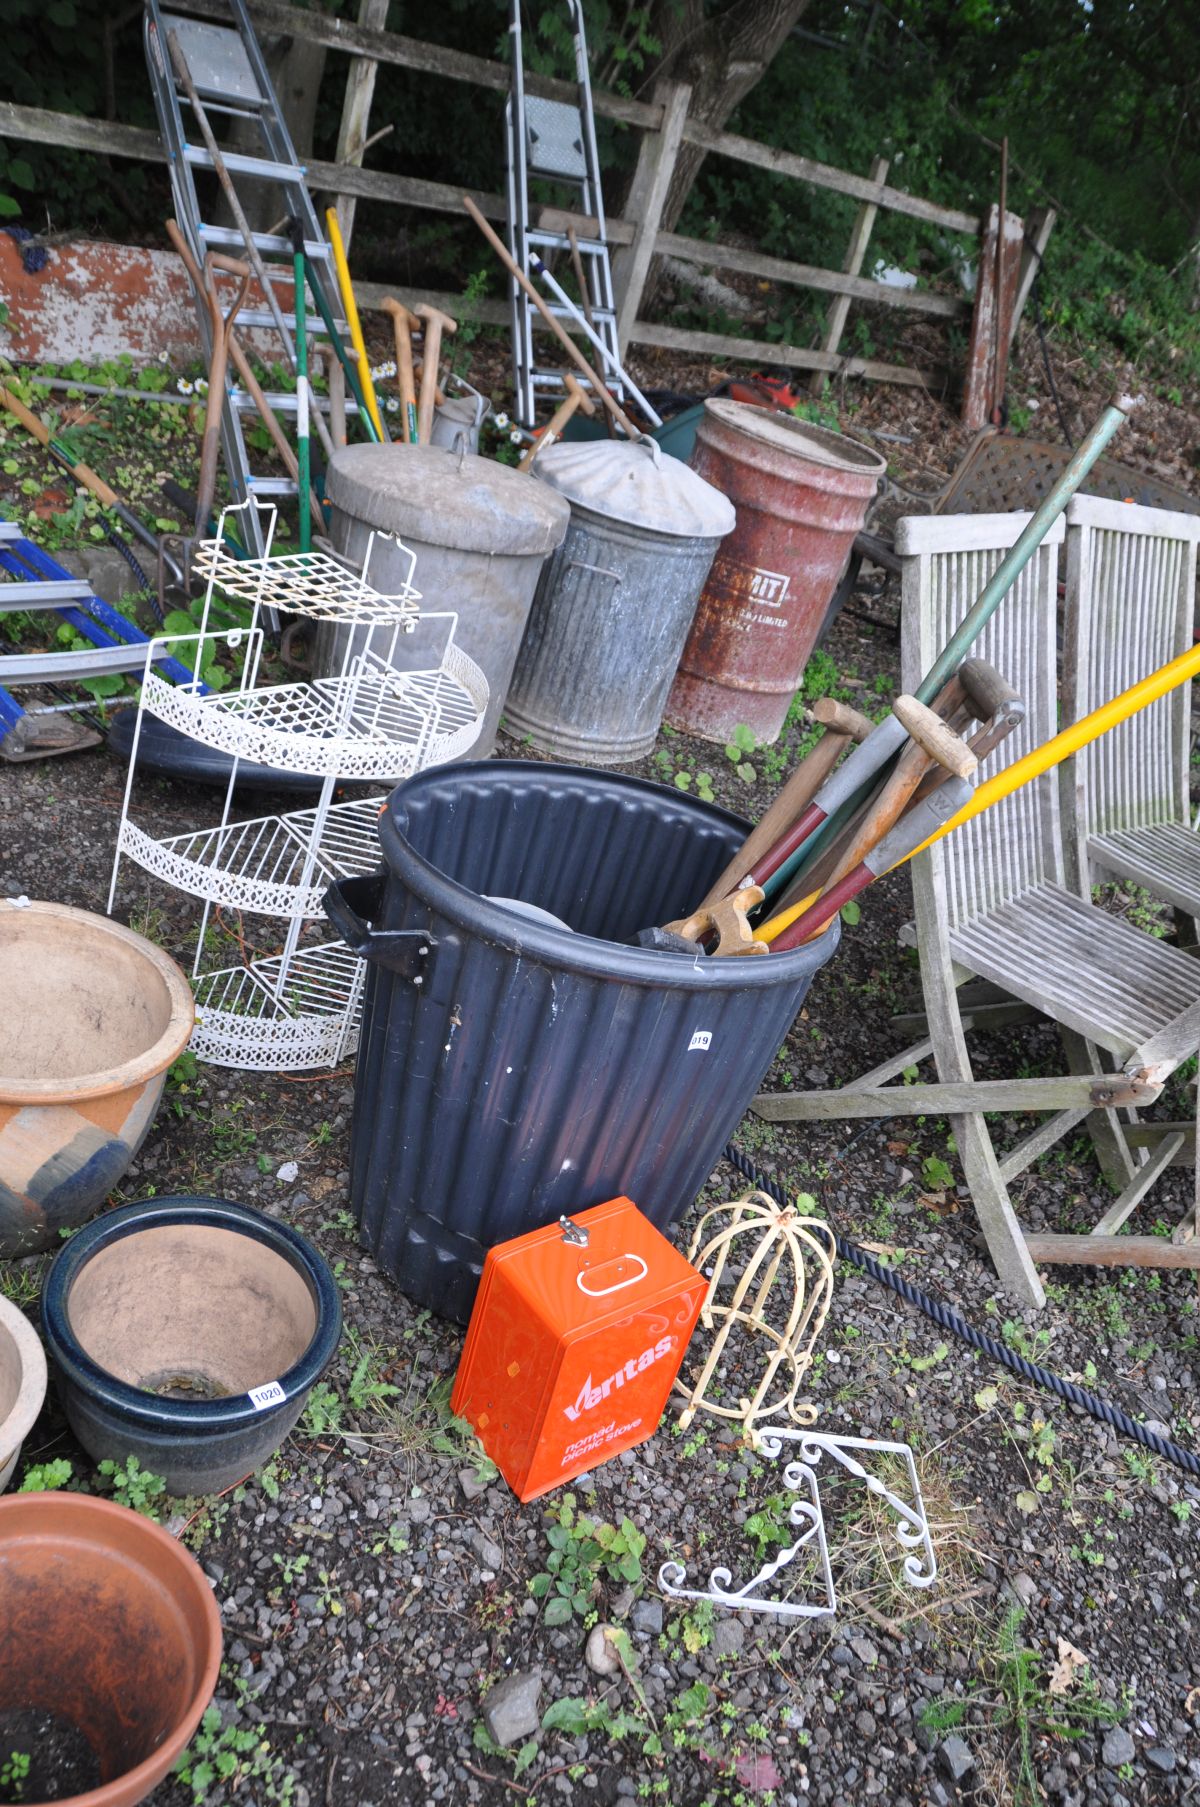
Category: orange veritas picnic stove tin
<point>576,1336</point>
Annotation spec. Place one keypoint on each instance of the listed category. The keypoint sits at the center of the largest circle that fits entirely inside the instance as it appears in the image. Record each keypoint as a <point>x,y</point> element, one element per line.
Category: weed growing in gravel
<point>1066,1704</point>
<point>224,1759</point>
<point>323,1413</point>
<point>584,1553</point>
<point>292,1567</point>
<point>134,1486</point>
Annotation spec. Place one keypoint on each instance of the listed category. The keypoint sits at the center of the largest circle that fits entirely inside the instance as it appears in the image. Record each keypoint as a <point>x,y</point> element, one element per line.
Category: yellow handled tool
<point>1042,759</point>
<point>352,321</point>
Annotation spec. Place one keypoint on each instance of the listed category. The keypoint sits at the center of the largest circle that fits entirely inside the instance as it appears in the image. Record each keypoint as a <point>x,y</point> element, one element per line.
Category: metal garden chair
<point>993,902</point>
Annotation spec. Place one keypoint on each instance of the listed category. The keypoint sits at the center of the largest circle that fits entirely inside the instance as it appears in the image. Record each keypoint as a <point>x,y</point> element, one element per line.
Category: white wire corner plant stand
<point>380,719</point>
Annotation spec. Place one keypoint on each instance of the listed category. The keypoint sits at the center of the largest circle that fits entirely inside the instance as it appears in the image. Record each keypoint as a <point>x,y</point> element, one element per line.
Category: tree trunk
<point>721,57</point>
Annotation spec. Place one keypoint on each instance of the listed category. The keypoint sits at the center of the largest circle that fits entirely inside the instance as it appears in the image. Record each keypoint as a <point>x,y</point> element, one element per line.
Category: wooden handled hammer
<point>576,397</point>
<point>435,324</point>
<point>843,727</point>
<point>931,742</point>
<point>404,324</point>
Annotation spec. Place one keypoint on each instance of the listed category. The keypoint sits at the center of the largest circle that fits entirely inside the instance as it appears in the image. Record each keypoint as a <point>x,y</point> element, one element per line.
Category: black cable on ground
<point>949,1320</point>
<point>149,590</point>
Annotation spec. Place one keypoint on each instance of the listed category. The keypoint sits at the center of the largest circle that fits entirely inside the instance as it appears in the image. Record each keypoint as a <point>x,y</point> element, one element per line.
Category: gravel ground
<point>382,1640</point>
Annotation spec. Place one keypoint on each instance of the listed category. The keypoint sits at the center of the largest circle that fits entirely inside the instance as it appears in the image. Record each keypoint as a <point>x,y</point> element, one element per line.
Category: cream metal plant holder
<point>780,1266</point>
<point>772,1255</point>
<point>371,722</point>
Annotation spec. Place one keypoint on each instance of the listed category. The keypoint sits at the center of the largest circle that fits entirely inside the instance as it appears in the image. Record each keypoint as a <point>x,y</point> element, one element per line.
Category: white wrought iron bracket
<point>806,1513</point>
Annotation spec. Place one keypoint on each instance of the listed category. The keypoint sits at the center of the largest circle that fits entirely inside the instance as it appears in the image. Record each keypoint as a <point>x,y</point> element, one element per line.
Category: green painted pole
<point>1019,555</point>
<point>302,450</point>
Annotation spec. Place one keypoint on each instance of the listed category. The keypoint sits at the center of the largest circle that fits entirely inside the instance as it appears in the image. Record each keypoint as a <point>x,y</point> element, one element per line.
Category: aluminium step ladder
<point>229,72</point>
<point>556,142</point>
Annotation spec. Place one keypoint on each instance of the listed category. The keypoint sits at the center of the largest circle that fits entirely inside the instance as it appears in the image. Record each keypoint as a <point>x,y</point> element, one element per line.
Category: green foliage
<point>770,1527</point>
<point>225,1761</point>
<point>46,1477</point>
<point>134,1486</point>
<point>739,751</point>
<point>13,1771</point>
<point>584,1554</point>
<point>1018,1694</point>
<point>323,1412</point>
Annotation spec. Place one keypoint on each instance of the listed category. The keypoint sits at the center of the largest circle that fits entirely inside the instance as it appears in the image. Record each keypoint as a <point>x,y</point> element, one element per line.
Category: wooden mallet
<point>576,397</point>
<point>435,323</point>
<point>404,324</point>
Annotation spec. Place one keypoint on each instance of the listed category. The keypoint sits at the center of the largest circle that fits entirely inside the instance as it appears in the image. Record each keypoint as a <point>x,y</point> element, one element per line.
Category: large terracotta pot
<point>91,1017</point>
<point>22,1384</point>
<point>110,1627</point>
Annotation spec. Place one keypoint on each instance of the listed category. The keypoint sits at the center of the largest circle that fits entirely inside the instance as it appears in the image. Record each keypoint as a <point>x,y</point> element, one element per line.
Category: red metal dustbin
<point>574,1343</point>
<point>801,494</point>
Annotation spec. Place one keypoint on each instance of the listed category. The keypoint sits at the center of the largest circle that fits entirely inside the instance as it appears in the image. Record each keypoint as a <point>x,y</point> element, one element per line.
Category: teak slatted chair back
<point>992,902</point>
<point>1131,580</point>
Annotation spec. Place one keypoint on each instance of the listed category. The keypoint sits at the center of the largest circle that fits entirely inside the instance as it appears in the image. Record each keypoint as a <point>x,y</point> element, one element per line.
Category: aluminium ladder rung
<point>39,594</point>
<point>559,241</point>
<point>50,667</point>
<point>264,242</point>
<point>239,163</point>
<point>284,403</point>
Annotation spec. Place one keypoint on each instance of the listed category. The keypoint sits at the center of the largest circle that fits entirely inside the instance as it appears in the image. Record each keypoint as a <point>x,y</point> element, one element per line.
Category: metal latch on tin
<point>573,1233</point>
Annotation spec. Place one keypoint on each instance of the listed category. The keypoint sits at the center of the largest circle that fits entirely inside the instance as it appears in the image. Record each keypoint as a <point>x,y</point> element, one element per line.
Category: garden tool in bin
<point>574,1343</point>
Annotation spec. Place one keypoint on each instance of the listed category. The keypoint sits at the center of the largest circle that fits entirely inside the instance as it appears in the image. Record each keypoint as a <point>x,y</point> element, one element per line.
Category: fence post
<point>1039,224</point>
<point>647,197</point>
<point>835,320</point>
<point>356,110</point>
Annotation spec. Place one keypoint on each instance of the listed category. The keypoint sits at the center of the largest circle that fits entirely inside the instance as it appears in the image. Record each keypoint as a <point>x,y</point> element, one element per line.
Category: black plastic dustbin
<point>510,1071</point>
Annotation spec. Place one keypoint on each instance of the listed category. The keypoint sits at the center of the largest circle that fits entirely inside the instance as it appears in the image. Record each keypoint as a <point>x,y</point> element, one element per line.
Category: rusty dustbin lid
<point>636,482</point>
<point>760,436</point>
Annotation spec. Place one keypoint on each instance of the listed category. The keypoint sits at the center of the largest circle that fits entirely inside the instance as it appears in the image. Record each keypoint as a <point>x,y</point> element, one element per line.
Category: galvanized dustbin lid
<point>635,481</point>
<point>784,433</point>
<point>446,498</point>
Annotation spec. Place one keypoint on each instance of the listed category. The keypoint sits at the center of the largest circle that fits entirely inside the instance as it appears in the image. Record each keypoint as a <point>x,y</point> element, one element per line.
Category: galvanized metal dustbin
<point>512,1070</point>
<point>801,494</point>
<point>480,531</point>
<point>615,602</point>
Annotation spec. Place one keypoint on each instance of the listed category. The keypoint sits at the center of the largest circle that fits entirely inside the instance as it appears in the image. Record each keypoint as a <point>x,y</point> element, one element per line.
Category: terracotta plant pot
<point>188,1332</point>
<point>111,1630</point>
<point>91,1017</point>
<point>22,1384</point>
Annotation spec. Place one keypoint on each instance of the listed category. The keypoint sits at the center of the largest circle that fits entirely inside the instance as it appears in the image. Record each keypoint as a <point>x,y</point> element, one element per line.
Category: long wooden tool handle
<point>82,473</point>
<point>403,323</point>
<point>429,364</point>
<point>576,397</point>
<point>564,338</point>
<point>241,363</point>
<point>791,927</point>
<point>842,726</point>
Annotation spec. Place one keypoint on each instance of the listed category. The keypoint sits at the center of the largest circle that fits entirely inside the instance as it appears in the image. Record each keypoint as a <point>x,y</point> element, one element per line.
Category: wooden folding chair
<point>1131,579</point>
<point>992,902</point>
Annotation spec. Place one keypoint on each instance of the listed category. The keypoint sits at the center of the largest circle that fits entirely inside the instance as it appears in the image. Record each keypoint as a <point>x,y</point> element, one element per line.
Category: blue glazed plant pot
<point>188,1332</point>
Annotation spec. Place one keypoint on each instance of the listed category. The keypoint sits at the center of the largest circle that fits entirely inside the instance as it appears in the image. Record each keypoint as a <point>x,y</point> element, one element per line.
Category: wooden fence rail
<point>665,125</point>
